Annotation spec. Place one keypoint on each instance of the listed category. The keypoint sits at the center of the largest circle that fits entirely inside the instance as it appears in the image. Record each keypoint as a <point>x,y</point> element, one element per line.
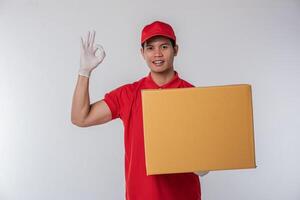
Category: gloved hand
<point>88,58</point>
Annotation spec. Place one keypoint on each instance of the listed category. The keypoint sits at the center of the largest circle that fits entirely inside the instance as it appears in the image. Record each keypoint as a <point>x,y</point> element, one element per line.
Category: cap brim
<point>157,34</point>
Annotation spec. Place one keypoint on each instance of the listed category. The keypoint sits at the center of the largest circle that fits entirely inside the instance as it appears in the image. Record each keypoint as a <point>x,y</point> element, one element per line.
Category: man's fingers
<point>88,39</point>
<point>82,44</point>
<point>88,43</point>
<point>98,47</point>
<point>93,38</point>
<point>95,49</point>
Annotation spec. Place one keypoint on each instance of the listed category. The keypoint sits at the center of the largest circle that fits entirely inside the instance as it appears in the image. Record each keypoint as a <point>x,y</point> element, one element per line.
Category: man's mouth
<point>158,62</point>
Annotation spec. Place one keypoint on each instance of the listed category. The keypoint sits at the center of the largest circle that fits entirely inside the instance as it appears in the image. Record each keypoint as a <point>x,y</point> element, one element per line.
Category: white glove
<point>88,58</point>
<point>201,173</point>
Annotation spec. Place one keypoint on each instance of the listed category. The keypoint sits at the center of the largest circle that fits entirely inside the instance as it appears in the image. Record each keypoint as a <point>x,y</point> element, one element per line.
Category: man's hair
<point>171,40</point>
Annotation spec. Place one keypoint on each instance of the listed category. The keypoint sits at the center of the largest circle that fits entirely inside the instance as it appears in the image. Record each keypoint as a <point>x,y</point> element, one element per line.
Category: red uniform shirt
<point>125,103</point>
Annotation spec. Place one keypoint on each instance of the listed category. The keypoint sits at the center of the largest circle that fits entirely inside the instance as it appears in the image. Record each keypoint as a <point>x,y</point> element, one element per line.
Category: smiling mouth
<point>158,62</point>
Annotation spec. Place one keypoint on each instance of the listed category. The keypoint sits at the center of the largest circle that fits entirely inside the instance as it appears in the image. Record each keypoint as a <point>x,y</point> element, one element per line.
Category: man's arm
<point>83,114</point>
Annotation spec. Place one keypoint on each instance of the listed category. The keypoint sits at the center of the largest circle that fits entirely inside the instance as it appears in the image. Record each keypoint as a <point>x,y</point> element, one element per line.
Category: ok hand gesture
<point>88,58</point>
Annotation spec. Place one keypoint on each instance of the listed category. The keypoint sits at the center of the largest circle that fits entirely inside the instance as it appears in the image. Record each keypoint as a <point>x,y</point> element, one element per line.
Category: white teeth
<point>158,62</point>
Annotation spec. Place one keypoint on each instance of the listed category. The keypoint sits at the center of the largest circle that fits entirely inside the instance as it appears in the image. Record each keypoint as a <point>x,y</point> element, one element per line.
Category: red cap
<point>157,28</point>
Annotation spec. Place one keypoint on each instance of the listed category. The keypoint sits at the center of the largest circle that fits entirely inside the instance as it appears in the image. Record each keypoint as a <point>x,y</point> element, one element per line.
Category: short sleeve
<point>116,100</point>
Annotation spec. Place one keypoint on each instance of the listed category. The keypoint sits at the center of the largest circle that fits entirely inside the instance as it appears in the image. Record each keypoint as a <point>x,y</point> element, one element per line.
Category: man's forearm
<point>81,100</point>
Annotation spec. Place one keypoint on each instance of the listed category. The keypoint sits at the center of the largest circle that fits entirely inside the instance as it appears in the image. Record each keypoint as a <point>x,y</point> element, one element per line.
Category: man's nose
<point>157,52</point>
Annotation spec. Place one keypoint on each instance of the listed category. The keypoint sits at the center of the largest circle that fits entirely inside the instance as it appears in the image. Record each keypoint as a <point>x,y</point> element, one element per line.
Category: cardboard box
<point>198,129</point>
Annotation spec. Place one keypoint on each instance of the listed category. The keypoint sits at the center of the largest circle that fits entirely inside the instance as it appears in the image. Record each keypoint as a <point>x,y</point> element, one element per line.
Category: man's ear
<point>142,52</point>
<point>175,50</point>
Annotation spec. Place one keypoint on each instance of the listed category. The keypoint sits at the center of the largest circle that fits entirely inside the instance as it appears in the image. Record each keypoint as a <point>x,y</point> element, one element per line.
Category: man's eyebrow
<point>165,43</point>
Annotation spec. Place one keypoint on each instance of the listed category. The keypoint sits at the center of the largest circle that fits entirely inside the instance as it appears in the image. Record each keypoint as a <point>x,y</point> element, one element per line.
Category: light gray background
<point>44,156</point>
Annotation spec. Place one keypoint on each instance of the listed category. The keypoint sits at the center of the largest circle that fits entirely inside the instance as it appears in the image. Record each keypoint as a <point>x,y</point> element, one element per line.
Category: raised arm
<point>83,113</point>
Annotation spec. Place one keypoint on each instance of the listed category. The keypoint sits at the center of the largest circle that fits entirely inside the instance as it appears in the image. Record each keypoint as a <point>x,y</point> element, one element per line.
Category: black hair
<point>171,40</point>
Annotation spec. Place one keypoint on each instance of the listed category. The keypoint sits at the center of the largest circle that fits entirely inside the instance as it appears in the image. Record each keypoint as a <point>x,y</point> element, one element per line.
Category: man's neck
<point>162,78</point>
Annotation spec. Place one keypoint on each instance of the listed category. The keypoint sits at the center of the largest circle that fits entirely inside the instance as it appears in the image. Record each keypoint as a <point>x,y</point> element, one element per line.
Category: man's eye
<point>149,48</point>
<point>165,46</point>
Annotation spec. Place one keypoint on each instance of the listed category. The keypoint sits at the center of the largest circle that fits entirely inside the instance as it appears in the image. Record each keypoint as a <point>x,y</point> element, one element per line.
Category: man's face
<point>159,53</point>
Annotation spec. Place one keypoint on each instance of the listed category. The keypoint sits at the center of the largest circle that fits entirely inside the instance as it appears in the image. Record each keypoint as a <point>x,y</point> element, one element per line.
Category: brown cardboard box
<point>198,129</point>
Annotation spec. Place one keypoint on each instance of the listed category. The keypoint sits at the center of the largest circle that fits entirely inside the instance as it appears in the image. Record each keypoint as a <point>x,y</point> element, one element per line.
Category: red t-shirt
<point>125,103</point>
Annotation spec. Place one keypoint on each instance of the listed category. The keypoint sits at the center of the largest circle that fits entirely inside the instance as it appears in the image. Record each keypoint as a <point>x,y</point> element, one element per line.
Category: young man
<point>159,48</point>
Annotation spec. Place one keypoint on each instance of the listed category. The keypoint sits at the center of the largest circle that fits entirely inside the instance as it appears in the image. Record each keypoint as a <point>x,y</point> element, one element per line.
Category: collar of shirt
<point>173,83</point>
